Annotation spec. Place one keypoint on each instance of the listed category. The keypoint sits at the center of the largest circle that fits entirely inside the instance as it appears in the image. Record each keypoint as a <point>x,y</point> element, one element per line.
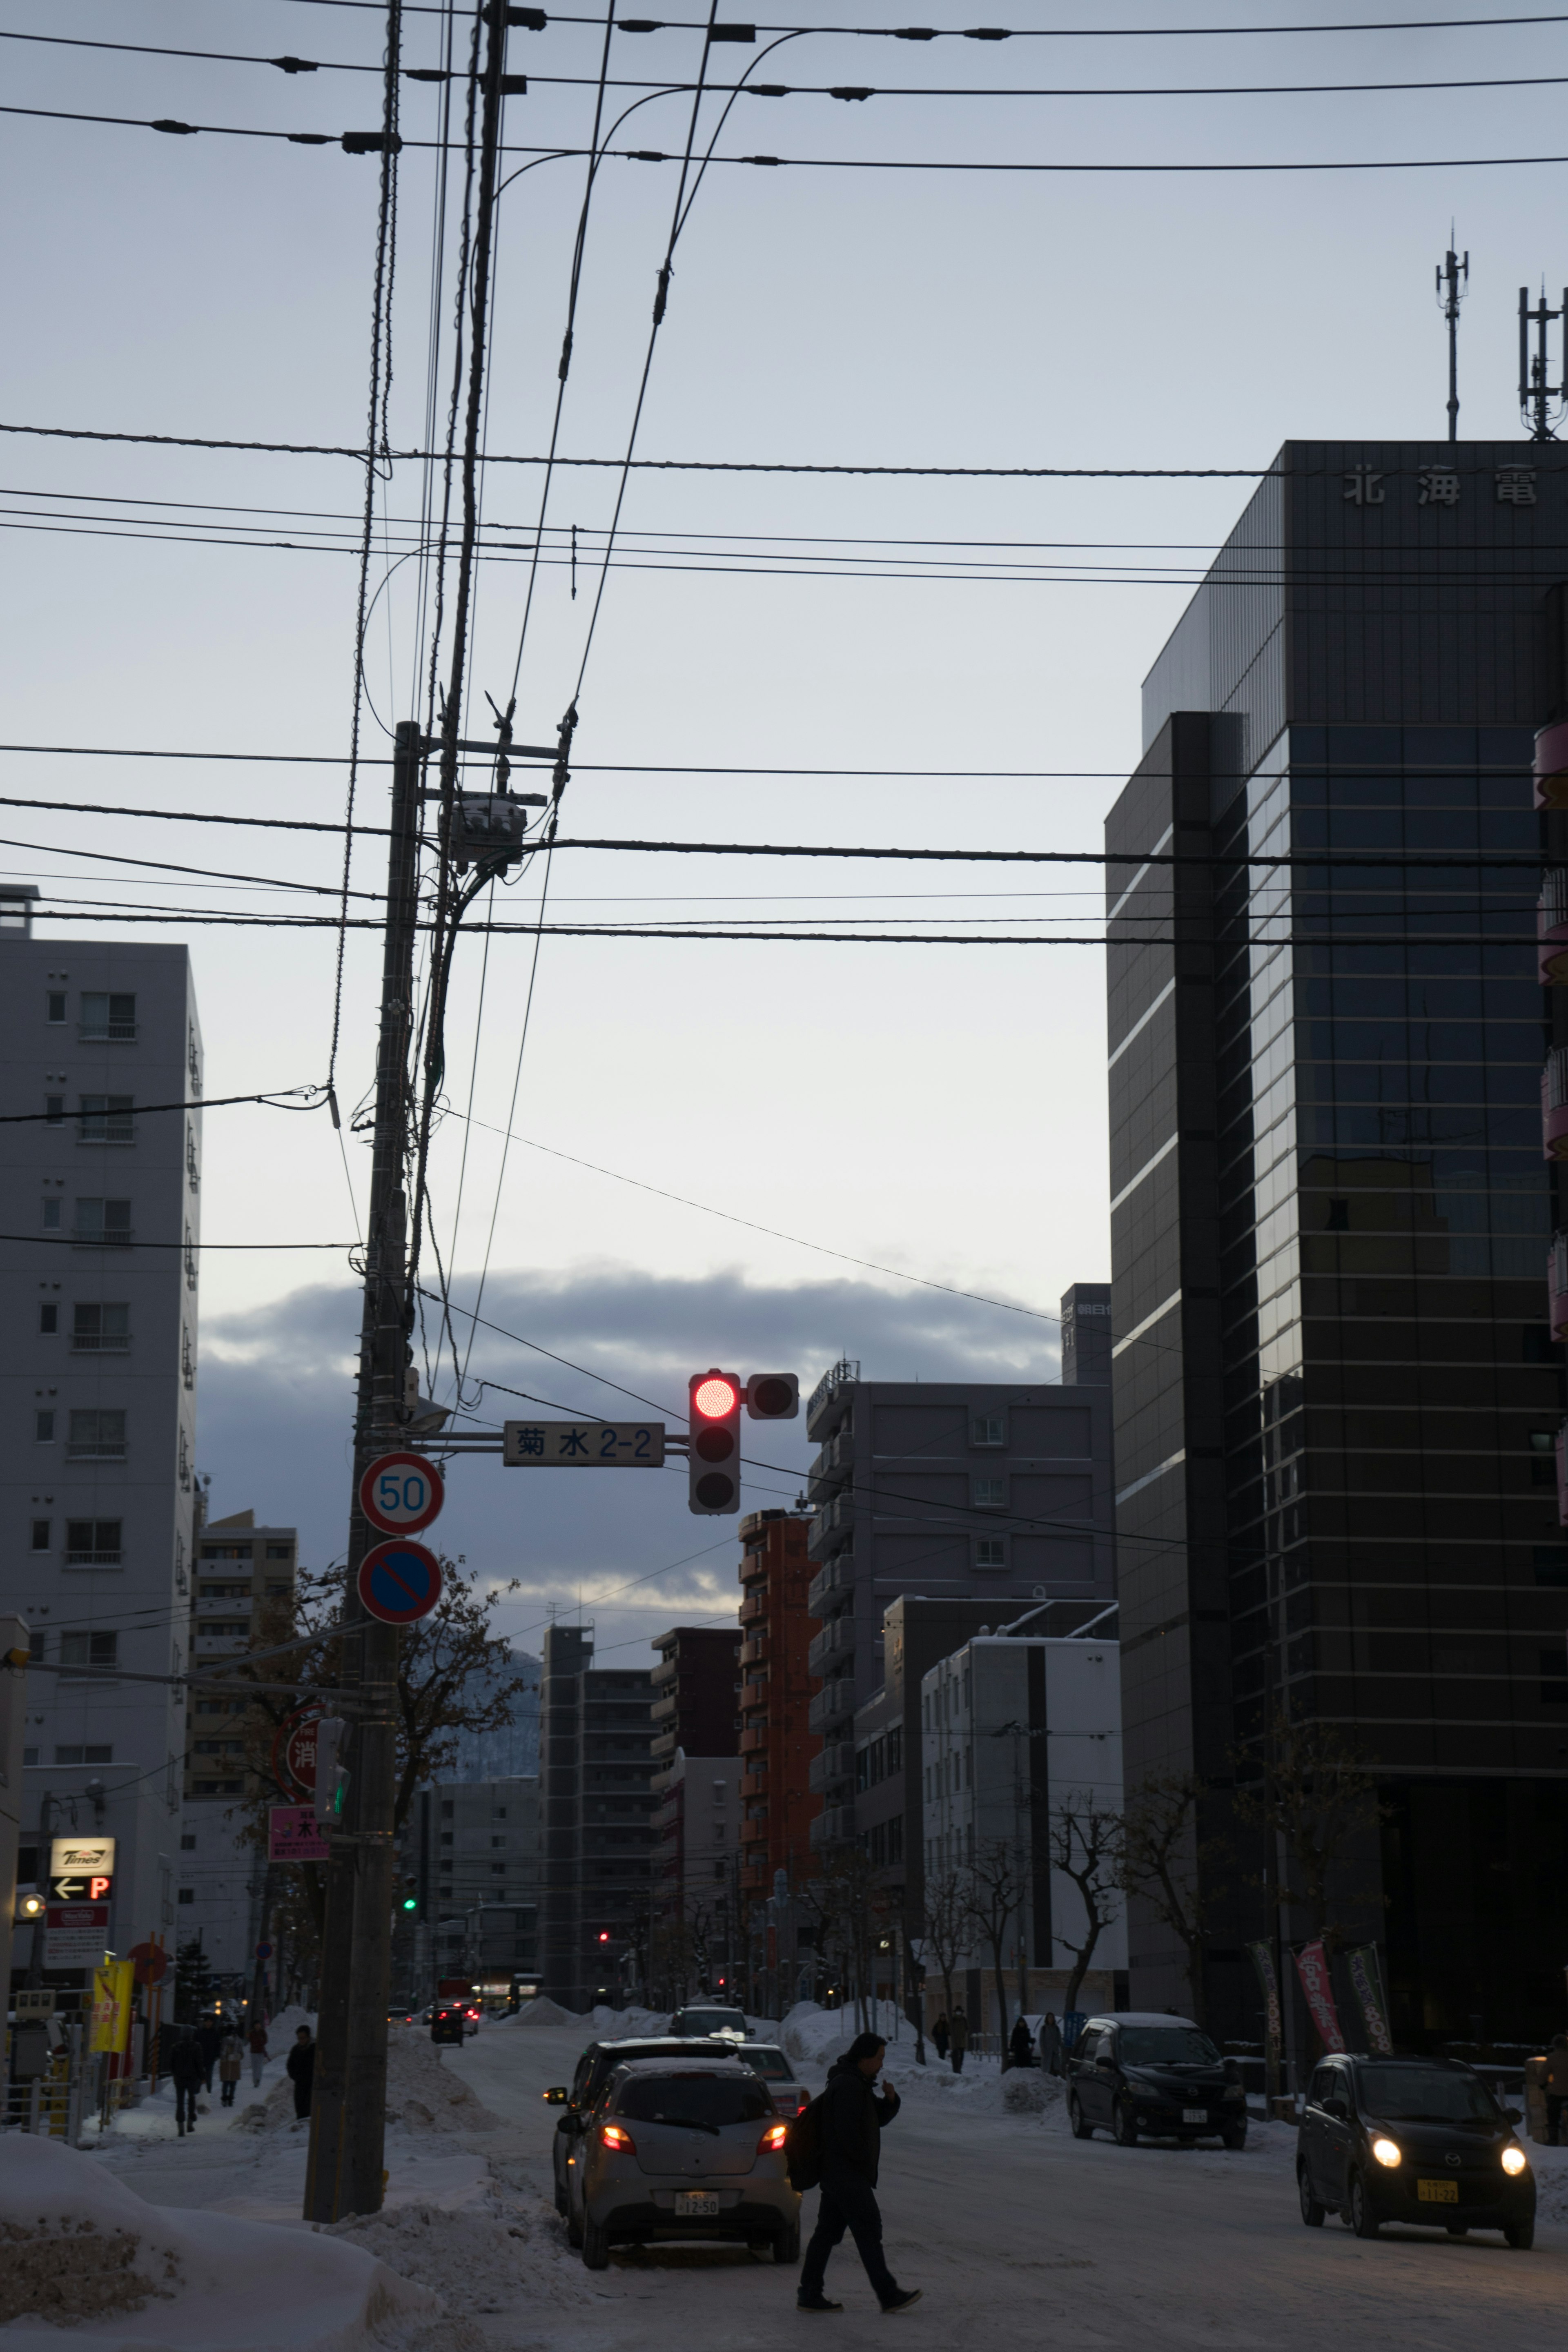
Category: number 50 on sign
<point>401,1493</point>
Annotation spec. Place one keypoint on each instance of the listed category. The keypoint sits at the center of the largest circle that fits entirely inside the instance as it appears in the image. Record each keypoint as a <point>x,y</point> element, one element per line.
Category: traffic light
<point>773,1396</point>
<point>331,1777</point>
<point>604,1935</point>
<point>410,1901</point>
<point>713,1461</point>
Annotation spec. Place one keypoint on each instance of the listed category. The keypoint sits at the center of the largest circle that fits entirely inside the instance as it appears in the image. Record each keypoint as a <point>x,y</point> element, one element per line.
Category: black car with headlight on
<point>1420,2141</point>
<point>1144,2074</point>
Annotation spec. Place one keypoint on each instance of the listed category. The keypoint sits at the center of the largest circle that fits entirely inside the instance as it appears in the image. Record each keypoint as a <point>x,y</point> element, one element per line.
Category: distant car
<point>766,2059</point>
<point>471,2020</point>
<point>1416,2140</point>
<point>703,2018</point>
<point>448,2025</point>
<point>685,2149</point>
<point>1141,2074</point>
<point>594,2067</point>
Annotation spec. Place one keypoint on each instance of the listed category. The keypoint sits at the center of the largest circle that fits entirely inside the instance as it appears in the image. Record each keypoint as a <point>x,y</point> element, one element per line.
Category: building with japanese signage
<point>1336,1383</point>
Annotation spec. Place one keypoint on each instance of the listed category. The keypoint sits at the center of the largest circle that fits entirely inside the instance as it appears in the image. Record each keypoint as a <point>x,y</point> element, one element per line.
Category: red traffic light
<point>604,1935</point>
<point>714,1398</point>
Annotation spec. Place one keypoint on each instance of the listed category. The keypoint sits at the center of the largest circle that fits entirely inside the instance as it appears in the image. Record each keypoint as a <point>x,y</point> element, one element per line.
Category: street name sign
<point>583,1445</point>
<point>399,1581</point>
<point>401,1493</point>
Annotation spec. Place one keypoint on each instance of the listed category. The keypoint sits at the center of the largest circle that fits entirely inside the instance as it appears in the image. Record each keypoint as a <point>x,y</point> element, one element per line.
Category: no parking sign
<point>399,1582</point>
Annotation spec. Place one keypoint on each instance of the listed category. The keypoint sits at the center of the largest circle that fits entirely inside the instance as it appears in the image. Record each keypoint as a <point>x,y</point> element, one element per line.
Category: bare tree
<point>1316,1796</point>
<point>995,1895</point>
<point>945,1924</point>
<point>1085,1844</point>
<point>1164,1861</point>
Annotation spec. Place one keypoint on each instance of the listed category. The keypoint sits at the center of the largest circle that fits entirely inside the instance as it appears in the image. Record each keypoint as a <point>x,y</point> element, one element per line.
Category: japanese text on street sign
<point>583,1445</point>
<point>75,1934</point>
<point>294,1751</point>
<point>292,1835</point>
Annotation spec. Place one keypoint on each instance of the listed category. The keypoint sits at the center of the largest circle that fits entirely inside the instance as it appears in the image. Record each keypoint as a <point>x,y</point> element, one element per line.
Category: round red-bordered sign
<point>294,1751</point>
<point>401,1493</point>
<point>399,1581</point>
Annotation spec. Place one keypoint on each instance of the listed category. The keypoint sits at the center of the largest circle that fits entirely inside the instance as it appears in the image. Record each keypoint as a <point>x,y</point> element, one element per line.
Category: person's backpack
<point>803,2149</point>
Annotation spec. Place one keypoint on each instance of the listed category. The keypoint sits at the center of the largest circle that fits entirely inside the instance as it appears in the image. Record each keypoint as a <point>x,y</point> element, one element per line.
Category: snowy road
<point>1009,2224</point>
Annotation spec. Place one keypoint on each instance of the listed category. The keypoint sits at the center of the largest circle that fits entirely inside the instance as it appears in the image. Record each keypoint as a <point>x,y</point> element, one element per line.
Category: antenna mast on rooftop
<point>1453,284</point>
<point>1536,390</point>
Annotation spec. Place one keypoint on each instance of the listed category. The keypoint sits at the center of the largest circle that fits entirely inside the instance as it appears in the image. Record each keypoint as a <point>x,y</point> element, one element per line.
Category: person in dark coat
<point>960,2035</point>
<point>940,2036</point>
<point>1021,2045</point>
<point>187,2069</point>
<point>301,2067</point>
<point>853,2118</point>
<point>1051,2045</point>
<point>209,2041</point>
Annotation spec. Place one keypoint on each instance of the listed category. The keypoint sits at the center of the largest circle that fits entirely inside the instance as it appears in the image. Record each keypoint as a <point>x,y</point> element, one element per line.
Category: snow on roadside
<point>498,2252</point>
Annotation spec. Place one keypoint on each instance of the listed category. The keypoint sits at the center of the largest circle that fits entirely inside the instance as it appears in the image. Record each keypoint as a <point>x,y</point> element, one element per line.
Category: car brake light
<point>612,2136</point>
<point>774,2137</point>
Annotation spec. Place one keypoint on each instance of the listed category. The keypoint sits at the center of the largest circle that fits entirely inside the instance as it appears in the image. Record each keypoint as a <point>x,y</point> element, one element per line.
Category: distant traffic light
<point>604,1935</point>
<point>713,1463</point>
<point>773,1396</point>
<point>410,1895</point>
<point>331,1777</point>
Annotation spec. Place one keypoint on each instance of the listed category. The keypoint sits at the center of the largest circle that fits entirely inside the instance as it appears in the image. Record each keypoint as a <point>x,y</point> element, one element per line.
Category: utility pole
<point>1453,284</point>
<point>348,2109</point>
<point>1536,391</point>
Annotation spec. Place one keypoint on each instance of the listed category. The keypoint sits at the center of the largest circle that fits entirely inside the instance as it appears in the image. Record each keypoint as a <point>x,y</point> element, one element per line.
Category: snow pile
<point>815,2037</point>
<point>542,2010</point>
<point>126,2274</point>
<point>510,2256</point>
<point>1027,2092</point>
<point>421,2094</point>
<point>622,2022</point>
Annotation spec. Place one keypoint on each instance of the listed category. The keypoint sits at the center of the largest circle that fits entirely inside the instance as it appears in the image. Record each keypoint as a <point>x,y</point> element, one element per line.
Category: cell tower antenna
<point>1453,285</point>
<point>1537,392</point>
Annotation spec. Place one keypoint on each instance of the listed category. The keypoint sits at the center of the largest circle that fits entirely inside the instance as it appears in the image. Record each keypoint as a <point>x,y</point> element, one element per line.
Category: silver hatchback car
<point>690,2147</point>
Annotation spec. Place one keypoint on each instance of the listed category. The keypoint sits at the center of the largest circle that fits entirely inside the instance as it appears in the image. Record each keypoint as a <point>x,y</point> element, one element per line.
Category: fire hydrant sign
<point>293,1835</point>
<point>401,1493</point>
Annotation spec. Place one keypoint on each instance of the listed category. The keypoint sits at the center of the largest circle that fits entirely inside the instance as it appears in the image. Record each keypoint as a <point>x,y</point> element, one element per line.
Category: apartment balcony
<point>1554,1105</point>
<point>664,1673</point>
<point>1551,766</point>
<point>834,1825</point>
<point>832,1768</point>
<point>821,1405</point>
<point>753,1653</point>
<point>753,1784</point>
<point>753,1738</point>
<point>100,1343</point>
<point>663,1710</point>
<point>754,1606</point>
<point>835,1641</point>
<point>836,1575</point>
<point>834,1704</point>
<point>828,1520</point>
<point>1552,929</point>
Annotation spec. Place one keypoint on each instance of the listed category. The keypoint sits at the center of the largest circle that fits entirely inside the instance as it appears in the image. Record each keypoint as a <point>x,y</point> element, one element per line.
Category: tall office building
<point>953,1489</point>
<point>100,1385</point>
<point>469,1857</point>
<point>780,1752</point>
<point>597,1800</point>
<point>1335,1380</point>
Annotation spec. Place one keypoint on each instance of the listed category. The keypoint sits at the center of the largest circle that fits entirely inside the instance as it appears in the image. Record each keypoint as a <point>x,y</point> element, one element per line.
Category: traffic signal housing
<point>332,1776</point>
<point>713,1461</point>
<point>409,1900</point>
<point>773,1396</point>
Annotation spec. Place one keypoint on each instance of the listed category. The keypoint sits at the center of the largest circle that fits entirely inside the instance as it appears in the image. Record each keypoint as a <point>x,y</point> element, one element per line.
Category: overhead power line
<point>1015,33</point>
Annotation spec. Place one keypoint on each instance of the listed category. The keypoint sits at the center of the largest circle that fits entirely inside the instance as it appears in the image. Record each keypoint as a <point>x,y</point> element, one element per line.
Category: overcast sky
<point>936,1110</point>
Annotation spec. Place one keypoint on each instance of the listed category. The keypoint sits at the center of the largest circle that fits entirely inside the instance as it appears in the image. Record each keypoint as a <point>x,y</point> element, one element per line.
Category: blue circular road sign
<point>399,1582</point>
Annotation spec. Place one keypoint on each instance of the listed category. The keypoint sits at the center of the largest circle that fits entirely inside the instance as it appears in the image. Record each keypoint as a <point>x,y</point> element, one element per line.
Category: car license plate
<point>691,2206</point>
<point>1194,2115</point>
<point>1437,2192</point>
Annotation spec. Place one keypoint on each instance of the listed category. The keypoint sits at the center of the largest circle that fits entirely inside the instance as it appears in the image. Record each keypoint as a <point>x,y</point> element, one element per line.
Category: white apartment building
<point>1016,1727</point>
<point>99,1387</point>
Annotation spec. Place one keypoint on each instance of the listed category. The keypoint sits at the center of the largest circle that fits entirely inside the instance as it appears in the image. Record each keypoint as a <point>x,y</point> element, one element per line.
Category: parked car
<point>766,2059</point>
<point>1141,2074</point>
<point>684,2148</point>
<point>593,2069</point>
<point>1416,2140</point>
<point>703,2017</point>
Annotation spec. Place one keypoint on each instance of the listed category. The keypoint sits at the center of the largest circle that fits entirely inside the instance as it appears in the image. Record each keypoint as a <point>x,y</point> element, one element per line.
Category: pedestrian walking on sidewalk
<point>960,2039</point>
<point>187,2069</point>
<point>1051,2045</point>
<point>230,2065</point>
<point>939,2034</point>
<point>1556,2087</point>
<point>209,2041</point>
<point>852,2120</point>
<point>302,2069</point>
<point>257,2054</point>
<point>1021,2045</point>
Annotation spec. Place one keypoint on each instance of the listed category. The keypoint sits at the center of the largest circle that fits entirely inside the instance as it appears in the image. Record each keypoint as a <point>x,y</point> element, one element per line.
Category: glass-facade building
<point>1336,1391</point>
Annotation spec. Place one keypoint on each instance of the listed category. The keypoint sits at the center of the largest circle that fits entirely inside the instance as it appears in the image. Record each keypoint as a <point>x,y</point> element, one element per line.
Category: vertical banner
<point>1312,1968</point>
<point>1263,1962</point>
<point>1367,1978</point>
<point>111,1992</point>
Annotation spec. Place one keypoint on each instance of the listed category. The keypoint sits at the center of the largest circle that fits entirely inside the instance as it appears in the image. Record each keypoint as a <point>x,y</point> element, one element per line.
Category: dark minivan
<point>1142,2074</point>
<point>1417,2140</point>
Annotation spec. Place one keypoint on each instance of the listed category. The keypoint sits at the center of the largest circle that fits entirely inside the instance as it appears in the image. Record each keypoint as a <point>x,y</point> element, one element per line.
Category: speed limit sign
<point>401,1493</point>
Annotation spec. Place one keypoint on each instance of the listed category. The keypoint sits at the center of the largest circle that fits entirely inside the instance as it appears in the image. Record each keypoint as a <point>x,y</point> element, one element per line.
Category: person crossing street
<point>853,2117</point>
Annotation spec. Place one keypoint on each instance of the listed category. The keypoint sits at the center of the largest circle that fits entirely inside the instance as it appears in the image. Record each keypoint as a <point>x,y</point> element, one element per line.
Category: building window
<point>56,1012</point>
<point>279,1551</point>
<point>84,1755</point>
<point>105,1118</point>
<point>92,1543</point>
<point>41,1535</point>
<point>104,1221</point>
<point>106,1018</point>
<point>187,1894</point>
<point>227,1551</point>
<point>29,1755</point>
<point>497,1841</point>
<point>48,1318</point>
<point>988,1494</point>
<point>101,1330</point>
<point>988,1429</point>
<point>446,1837</point>
<point>54,1111</point>
<point>187,1842</point>
<point>96,1436</point>
<point>43,1428</point>
<point>990,1551</point>
<point>38,1640</point>
<point>52,1215</point>
<point>447,1809</point>
<point>90,1649</point>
